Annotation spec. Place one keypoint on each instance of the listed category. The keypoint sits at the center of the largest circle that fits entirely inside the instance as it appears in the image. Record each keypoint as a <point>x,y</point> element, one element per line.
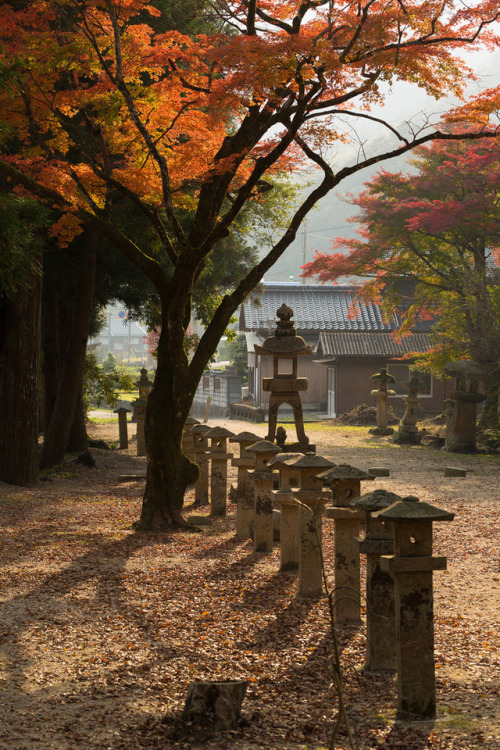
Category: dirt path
<point>102,629</point>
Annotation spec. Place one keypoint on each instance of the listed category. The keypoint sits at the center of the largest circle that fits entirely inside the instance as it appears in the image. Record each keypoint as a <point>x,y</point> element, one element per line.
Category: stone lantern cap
<point>411,509</point>
<point>121,410</point>
<point>264,446</point>
<point>341,472</point>
<point>192,421</point>
<point>244,437</point>
<point>375,500</point>
<point>200,429</point>
<point>312,461</point>
<point>285,340</point>
<point>219,432</point>
<point>284,459</point>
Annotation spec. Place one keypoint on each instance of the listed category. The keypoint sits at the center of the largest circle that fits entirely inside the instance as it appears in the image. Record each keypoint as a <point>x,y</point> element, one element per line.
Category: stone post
<point>144,385</point>
<point>382,378</point>
<point>345,483</point>
<point>187,438</point>
<point>262,477</point>
<point>408,430</point>
<point>289,516</point>
<point>312,498</point>
<point>218,471</point>
<point>412,565</point>
<point>200,457</point>
<point>245,490</point>
<point>122,425</point>
<point>380,612</point>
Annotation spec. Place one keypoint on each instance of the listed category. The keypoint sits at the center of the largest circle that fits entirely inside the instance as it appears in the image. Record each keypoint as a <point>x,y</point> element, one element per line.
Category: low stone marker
<point>379,471</point>
<point>122,425</point>
<point>289,529</point>
<point>214,703</point>
<point>263,478</point>
<point>312,499</point>
<point>455,471</point>
<point>380,611</point>
<point>201,450</point>
<point>245,488</point>
<point>345,483</point>
<point>412,565</point>
<point>218,471</point>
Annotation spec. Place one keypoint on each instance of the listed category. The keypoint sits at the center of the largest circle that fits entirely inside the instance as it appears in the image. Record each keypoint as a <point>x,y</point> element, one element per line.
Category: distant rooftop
<point>317,308</point>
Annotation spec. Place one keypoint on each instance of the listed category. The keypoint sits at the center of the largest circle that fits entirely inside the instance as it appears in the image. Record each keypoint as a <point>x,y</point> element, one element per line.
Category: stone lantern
<point>245,492</point>
<point>412,565</point>
<point>380,612</point>
<point>408,430</point>
<point>200,457</point>
<point>312,498</point>
<point>345,482</point>
<point>144,385</point>
<point>461,428</point>
<point>289,509</point>
<point>284,347</point>
<point>218,471</point>
<point>382,379</point>
<point>187,438</point>
<point>263,479</point>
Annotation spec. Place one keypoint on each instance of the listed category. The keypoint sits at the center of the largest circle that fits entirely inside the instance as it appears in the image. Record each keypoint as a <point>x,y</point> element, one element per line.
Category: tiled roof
<point>349,343</point>
<point>315,308</point>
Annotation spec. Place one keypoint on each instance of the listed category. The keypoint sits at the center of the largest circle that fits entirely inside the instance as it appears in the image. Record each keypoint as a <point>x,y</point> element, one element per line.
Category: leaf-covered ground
<point>102,629</point>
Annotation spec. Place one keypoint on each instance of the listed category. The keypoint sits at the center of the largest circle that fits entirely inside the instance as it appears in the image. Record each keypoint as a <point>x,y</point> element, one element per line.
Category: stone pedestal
<point>345,483</point>
<point>263,478</point>
<point>218,469</point>
<point>140,415</point>
<point>200,457</point>
<point>289,521</point>
<point>245,489</point>
<point>311,498</point>
<point>122,426</point>
<point>380,610</point>
<point>412,565</point>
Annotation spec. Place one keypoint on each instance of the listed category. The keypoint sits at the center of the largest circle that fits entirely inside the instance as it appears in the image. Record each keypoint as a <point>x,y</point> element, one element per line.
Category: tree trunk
<point>169,472</point>
<point>19,378</point>
<point>78,440</point>
<point>70,380</point>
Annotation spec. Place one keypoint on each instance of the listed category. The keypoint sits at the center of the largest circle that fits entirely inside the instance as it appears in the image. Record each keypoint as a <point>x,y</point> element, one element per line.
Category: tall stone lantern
<point>382,379</point>
<point>284,347</point>
<point>144,385</point>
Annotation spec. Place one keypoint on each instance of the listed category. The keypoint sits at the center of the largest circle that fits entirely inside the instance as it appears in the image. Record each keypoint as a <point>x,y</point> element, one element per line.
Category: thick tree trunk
<point>169,472</point>
<point>78,440</point>
<point>70,380</point>
<point>19,379</point>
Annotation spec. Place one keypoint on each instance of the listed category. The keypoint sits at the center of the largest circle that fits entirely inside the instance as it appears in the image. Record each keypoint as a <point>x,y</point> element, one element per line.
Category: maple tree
<point>431,241</point>
<point>103,106</point>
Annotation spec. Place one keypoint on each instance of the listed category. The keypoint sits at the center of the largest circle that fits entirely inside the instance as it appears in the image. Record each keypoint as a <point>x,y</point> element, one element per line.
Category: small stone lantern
<point>284,347</point>
<point>382,379</point>
<point>380,612</point>
<point>345,482</point>
<point>144,385</point>
<point>218,471</point>
<point>289,508</point>
<point>408,430</point>
<point>187,438</point>
<point>200,457</point>
<point>312,498</point>
<point>412,565</point>
<point>263,479</point>
<point>245,491</point>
